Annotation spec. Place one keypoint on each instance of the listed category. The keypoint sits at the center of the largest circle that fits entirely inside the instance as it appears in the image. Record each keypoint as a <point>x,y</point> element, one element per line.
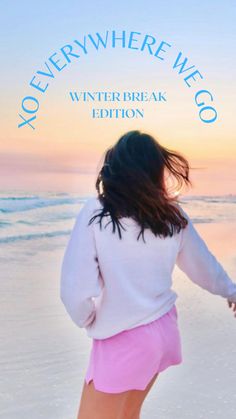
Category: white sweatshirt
<point>110,284</point>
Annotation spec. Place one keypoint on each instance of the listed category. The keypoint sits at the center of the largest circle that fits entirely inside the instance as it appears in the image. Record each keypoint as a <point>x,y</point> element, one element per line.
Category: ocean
<point>49,216</point>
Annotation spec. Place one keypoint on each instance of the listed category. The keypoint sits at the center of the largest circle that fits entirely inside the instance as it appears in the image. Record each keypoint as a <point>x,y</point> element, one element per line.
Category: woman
<point>116,274</point>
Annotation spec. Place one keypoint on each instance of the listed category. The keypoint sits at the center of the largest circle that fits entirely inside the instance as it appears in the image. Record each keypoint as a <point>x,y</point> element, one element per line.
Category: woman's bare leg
<point>96,404</point>
<point>134,401</point>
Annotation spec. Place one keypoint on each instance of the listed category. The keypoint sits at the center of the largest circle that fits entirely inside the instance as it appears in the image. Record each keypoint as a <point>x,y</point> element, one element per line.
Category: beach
<point>44,356</point>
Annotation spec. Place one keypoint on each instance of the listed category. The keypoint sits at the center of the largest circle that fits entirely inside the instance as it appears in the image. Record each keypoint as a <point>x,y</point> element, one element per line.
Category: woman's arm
<point>80,271</point>
<point>200,265</point>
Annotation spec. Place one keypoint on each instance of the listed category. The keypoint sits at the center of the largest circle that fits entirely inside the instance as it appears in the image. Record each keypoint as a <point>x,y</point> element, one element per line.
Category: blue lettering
<point>196,72</point>
<point>145,43</point>
<point>55,62</point>
<point>30,98</point>
<point>82,45</point>
<point>49,74</point>
<point>161,49</point>
<point>72,54</point>
<point>131,39</point>
<point>26,121</point>
<point>182,65</point>
<point>100,40</point>
<point>116,38</point>
<point>37,86</point>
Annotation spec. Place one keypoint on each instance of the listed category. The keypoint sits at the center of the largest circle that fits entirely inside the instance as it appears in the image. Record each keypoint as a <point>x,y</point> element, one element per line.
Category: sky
<point>67,146</point>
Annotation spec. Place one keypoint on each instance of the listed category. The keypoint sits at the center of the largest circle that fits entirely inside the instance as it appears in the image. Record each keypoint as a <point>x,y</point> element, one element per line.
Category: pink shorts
<point>130,359</point>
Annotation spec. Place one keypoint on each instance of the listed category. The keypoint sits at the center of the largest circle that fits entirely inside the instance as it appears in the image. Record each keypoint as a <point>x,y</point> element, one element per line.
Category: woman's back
<point>110,284</point>
<point>137,275</point>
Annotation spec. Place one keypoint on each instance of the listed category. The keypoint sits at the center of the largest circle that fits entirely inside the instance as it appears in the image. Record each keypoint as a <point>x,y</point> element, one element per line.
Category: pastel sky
<point>66,148</point>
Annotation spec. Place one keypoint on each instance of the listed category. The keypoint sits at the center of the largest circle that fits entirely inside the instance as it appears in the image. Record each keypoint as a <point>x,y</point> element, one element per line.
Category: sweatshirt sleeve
<point>80,281</point>
<point>200,265</point>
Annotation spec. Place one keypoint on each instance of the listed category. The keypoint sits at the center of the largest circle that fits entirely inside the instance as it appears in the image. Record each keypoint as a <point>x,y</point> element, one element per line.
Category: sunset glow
<point>68,143</point>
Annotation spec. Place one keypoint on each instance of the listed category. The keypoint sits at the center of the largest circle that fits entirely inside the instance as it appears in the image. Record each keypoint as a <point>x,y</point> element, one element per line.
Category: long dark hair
<point>133,183</point>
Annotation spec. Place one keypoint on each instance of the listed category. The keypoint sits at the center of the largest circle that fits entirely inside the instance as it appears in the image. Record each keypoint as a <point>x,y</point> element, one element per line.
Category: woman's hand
<point>231,304</point>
